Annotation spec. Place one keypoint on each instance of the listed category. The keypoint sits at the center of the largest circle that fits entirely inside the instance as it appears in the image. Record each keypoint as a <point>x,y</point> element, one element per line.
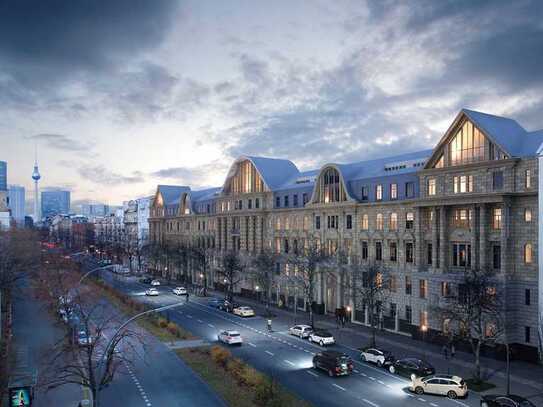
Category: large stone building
<point>470,203</point>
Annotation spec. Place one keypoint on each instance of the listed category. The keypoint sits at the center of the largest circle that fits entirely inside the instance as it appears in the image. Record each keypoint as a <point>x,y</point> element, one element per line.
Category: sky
<point>119,96</point>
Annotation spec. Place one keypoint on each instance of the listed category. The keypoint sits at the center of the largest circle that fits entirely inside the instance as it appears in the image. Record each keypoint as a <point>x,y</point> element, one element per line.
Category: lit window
<point>379,222</point>
<point>393,224</point>
<point>527,215</point>
<point>528,178</point>
<point>467,146</point>
<point>497,218</point>
<point>365,222</point>
<point>379,192</point>
<point>409,220</point>
<point>528,255</point>
<point>393,191</point>
<point>431,186</point>
<point>462,184</point>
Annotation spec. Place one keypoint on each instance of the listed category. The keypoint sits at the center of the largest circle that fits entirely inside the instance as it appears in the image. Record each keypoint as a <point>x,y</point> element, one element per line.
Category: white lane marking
<point>268,352</point>
<point>199,320</point>
<point>421,399</point>
<point>211,325</point>
<point>312,373</point>
<point>459,402</point>
<point>251,344</point>
<point>356,371</point>
<point>372,378</point>
<point>338,386</point>
<point>289,362</point>
<point>371,403</point>
<point>434,405</point>
<point>364,374</point>
<point>381,382</point>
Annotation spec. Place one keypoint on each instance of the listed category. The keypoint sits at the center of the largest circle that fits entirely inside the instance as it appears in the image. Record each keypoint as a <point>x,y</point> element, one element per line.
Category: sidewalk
<point>526,379</point>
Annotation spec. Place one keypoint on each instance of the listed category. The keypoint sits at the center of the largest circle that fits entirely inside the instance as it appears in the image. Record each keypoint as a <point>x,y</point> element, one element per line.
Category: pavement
<point>35,329</point>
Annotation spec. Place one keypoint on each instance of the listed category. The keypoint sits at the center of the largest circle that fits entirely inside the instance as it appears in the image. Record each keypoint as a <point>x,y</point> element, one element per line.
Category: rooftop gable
<point>171,193</point>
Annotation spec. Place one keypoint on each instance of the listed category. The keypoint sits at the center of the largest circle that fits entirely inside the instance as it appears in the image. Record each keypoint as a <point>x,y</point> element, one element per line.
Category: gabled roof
<point>171,193</point>
<point>533,143</point>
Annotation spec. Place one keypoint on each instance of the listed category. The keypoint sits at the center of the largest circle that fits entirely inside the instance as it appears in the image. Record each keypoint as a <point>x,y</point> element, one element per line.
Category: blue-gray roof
<point>172,193</point>
<point>274,172</point>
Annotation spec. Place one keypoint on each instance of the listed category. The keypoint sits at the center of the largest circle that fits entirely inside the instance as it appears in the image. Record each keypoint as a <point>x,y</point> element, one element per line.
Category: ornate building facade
<point>470,203</point>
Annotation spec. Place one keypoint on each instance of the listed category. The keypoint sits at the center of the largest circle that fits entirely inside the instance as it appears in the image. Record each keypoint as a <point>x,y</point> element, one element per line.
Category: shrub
<point>220,355</point>
<point>162,323</point>
<point>172,328</point>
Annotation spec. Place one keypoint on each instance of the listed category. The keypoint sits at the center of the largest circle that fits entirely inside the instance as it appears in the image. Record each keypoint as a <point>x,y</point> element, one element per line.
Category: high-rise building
<point>93,210</point>
<point>55,202</point>
<point>4,212</point>
<point>16,203</point>
<point>3,176</point>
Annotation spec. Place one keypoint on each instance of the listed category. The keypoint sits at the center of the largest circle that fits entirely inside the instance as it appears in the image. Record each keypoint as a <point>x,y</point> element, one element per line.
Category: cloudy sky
<point>122,95</point>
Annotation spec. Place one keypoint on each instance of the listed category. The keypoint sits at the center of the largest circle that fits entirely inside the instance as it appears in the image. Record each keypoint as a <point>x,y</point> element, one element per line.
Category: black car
<point>227,306</point>
<point>496,400</point>
<point>333,362</point>
<point>145,280</point>
<point>411,367</point>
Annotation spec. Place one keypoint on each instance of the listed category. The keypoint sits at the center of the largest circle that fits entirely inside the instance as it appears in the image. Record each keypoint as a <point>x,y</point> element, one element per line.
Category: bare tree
<point>203,259</point>
<point>19,256</point>
<point>230,270</point>
<point>369,286</point>
<point>476,312</point>
<point>262,271</point>
<point>308,267</point>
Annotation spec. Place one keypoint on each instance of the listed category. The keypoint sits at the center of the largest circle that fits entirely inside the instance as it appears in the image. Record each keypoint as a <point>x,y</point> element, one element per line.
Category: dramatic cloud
<point>59,142</point>
<point>101,175</point>
<point>194,176</point>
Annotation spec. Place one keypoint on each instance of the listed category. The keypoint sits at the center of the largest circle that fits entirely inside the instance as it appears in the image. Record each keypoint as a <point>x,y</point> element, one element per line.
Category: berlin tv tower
<point>36,177</point>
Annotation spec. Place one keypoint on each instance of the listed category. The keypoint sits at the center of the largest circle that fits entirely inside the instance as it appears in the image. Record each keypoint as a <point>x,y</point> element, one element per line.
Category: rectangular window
<point>365,193</point>
<point>409,252</point>
<point>408,314</point>
<point>379,192</point>
<point>462,218</point>
<point>527,334</point>
<point>497,218</point>
<point>249,204</point>
<point>527,215</point>
<point>431,186</point>
<point>378,251</point>
<point>410,189</point>
<point>277,202</point>
<point>528,179</point>
<point>393,221</point>
<point>445,289</point>
<point>424,319</point>
<point>409,220</point>
<point>393,248</point>
<point>304,198</point>
<point>286,201</point>
<point>365,222</point>
<point>408,285</point>
<point>393,191</point>
<point>393,284</point>
<point>429,254</point>
<point>332,222</point>
<point>461,255</point>
<point>277,245</point>
<point>463,184</point>
<point>317,222</point>
<point>349,222</point>
<point>364,250</point>
<point>527,297</point>
<point>295,200</point>
<point>286,246</point>
<point>497,180</point>
<point>423,289</point>
<point>257,203</point>
<point>496,257</point>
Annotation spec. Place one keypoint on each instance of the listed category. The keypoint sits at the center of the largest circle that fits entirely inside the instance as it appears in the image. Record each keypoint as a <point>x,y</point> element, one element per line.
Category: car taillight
<point>350,366</point>
<point>338,369</point>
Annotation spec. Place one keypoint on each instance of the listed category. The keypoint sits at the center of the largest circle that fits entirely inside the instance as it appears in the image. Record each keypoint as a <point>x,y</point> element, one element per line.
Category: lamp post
<point>423,329</point>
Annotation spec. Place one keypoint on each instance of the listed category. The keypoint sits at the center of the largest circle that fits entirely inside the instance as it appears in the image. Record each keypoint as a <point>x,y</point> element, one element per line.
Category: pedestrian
<point>453,351</point>
<point>269,324</point>
<point>445,351</point>
<point>187,298</point>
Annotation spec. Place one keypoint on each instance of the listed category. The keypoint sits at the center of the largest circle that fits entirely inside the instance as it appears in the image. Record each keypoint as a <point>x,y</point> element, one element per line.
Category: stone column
<point>483,220</point>
<point>366,315</point>
<point>474,232</point>
<point>443,244</point>
<point>434,228</point>
<point>396,321</point>
<point>419,240</point>
<point>504,236</point>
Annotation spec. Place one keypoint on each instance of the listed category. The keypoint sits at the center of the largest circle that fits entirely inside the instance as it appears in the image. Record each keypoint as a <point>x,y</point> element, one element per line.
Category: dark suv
<point>335,363</point>
<point>411,367</point>
<point>145,280</point>
<point>227,306</point>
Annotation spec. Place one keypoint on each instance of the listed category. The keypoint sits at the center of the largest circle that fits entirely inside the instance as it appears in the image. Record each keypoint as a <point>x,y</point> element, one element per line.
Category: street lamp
<point>423,329</point>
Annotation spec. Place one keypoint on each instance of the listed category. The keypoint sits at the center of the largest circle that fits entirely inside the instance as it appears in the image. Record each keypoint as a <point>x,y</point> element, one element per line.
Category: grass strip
<point>479,385</point>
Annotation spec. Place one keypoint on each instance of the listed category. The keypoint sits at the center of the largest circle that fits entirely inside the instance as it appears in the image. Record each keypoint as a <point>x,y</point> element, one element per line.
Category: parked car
<point>445,385</point>
<point>244,311</point>
<point>377,356</point>
<point>412,368</point>
<point>214,302</point>
<point>145,280</point>
<point>230,337</point>
<point>155,283</point>
<point>495,400</point>
<point>321,337</point>
<point>333,362</point>
<point>180,291</point>
<point>152,292</point>
<point>227,306</point>
<point>301,331</point>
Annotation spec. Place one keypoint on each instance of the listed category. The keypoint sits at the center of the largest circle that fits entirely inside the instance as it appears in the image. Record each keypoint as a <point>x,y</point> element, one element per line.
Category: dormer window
<point>468,145</point>
<point>330,187</point>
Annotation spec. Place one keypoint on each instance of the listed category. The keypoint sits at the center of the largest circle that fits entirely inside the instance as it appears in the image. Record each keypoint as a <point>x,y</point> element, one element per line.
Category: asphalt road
<point>289,359</point>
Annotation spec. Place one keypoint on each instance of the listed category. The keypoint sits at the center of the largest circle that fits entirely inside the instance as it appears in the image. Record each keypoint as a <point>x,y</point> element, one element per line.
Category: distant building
<point>93,210</point>
<point>16,203</point>
<point>54,203</point>
<point>144,205</point>
<point>3,176</point>
<point>4,211</point>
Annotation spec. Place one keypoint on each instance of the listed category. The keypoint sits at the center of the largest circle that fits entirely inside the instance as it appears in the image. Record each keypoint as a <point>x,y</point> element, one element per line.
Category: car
<point>321,337</point>
<point>445,385</point>
<point>244,311</point>
<point>82,338</point>
<point>335,363</point>
<point>152,292</point>
<point>496,400</point>
<point>301,331</point>
<point>230,337</point>
<point>180,291</point>
<point>379,357</point>
<point>214,303</point>
<point>227,306</point>
<point>145,280</point>
<point>412,368</point>
<point>155,283</point>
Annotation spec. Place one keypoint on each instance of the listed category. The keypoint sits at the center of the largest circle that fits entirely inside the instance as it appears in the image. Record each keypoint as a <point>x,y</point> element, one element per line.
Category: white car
<point>152,292</point>
<point>445,385</point>
<point>244,311</point>
<point>321,337</point>
<point>180,291</point>
<point>230,337</point>
<point>379,357</point>
<point>155,282</point>
<point>301,331</point>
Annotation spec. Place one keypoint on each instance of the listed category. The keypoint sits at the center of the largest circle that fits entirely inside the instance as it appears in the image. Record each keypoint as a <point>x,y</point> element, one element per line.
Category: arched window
<point>330,188</point>
<point>365,222</point>
<point>379,222</point>
<point>528,255</point>
<point>246,179</point>
<point>393,224</point>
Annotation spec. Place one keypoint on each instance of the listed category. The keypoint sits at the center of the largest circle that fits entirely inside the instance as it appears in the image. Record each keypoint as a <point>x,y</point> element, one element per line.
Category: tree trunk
<point>478,361</point>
